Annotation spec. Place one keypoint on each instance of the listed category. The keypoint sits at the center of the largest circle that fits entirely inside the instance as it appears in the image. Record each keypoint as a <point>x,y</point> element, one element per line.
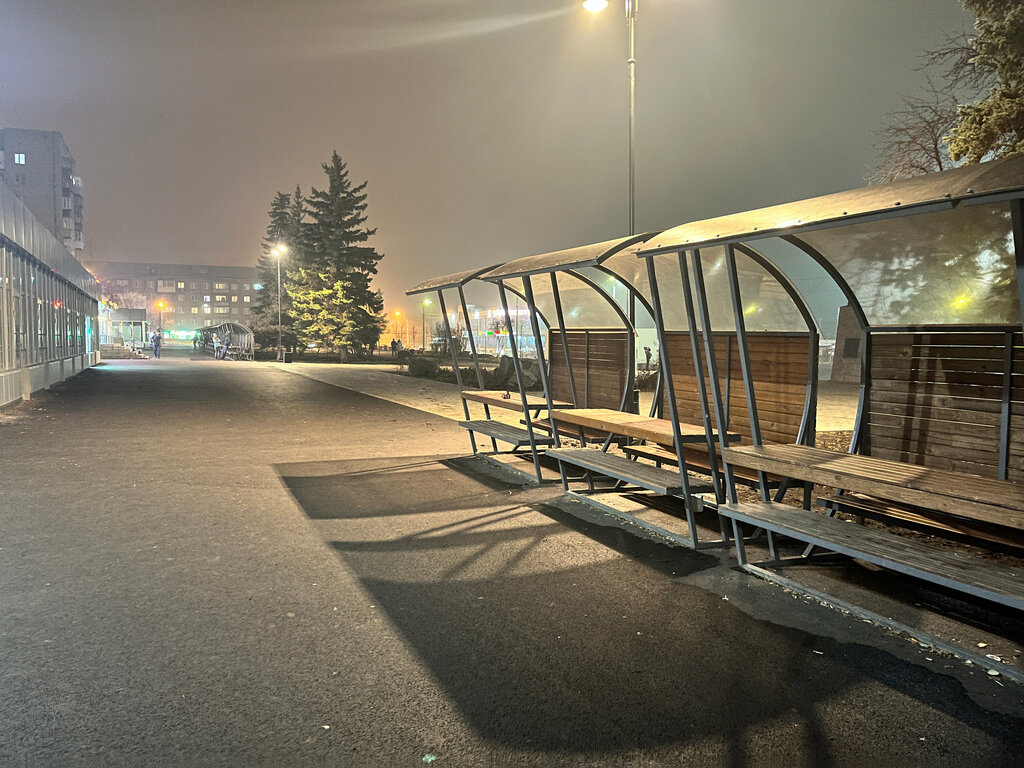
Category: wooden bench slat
<point>513,402</point>
<point>995,501</point>
<point>918,517</point>
<point>507,433</point>
<point>662,481</point>
<point>973,575</point>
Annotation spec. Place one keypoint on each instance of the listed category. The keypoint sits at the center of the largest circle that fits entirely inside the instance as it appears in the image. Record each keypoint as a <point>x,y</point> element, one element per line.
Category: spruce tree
<point>334,305</point>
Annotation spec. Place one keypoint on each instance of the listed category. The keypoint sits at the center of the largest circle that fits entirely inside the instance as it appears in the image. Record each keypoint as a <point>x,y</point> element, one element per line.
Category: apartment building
<point>38,167</point>
<point>180,297</point>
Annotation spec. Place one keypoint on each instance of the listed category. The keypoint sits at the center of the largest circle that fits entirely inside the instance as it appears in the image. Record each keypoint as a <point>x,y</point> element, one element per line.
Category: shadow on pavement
<point>548,646</point>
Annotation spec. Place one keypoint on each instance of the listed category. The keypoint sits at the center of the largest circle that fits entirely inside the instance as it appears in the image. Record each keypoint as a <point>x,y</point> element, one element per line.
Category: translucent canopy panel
<point>583,306</point>
<point>954,266</point>
<point>447,281</point>
<point>631,270</point>
<point>621,293</point>
<point>767,306</point>
<point>823,295</point>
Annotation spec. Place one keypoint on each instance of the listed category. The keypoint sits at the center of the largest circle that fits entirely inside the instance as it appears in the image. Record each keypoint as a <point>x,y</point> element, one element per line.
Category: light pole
<point>423,322</point>
<point>160,323</point>
<point>595,6</point>
<point>278,252</point>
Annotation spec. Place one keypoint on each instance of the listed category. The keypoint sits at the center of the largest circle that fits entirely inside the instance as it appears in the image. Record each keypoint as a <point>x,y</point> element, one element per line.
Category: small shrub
<point>646,381</point>
<point>423,367</point>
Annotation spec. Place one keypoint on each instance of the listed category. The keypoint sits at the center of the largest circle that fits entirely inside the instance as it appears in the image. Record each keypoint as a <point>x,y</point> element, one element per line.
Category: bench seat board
<point>1000,502</point>
<point>910,516</point>
<point>513,401</point>
<point>631,425</point>
<point>965,573</point>
<point>507,433</point>
<point>662,481</point>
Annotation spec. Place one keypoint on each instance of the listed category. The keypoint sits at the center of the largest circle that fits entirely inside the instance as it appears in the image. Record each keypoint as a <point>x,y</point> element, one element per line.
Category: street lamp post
<point>160,322</point>
<point>278,252</point>
<point>423,322</point>
<point>595,6</point>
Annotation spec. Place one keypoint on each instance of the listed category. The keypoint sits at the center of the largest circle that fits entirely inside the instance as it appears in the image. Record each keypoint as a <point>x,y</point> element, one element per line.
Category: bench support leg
<point>741,551</point>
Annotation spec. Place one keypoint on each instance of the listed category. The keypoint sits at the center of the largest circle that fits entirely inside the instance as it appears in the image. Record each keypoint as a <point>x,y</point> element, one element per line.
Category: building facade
<point>48,305</point>
<point>38,167</point>
<point>180,297</point>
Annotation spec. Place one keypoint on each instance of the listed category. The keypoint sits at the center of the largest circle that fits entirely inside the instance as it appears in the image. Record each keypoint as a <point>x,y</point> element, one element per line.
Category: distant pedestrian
<point>195,340</point>
<point>399,349</point>
<point>647,354</point>
<point>394,348</point>
<point>225,344</point>
<point>156,341</point>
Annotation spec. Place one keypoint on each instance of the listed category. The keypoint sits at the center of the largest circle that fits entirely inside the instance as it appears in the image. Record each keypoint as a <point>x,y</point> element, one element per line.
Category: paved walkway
<point>215,563</point>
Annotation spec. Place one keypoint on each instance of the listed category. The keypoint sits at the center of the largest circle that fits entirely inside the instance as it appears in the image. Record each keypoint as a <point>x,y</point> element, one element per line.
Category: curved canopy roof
<point>933,191</point>
<point>570,258</point>
<point>448,281</point>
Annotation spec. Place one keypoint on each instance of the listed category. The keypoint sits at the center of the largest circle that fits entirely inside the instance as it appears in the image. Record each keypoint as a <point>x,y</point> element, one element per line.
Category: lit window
<point>220,297</point>
<point>181,286</point>
<point>257,286</point>
<point>206,310</point>
<point>195,310</point>
<point>246,299</point>
<point>206,299</point>
<point>234,299</point>
<point>220,286</point>
<point>19,158</point>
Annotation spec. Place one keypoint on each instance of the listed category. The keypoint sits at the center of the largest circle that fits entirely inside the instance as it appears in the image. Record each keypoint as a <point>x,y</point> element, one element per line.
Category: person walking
<point>394,348</point>
<point>225,344</point>
<point>156,341</point>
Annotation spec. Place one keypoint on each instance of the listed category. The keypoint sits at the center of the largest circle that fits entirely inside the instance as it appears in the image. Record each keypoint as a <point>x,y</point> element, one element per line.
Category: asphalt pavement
<point>216,563</point>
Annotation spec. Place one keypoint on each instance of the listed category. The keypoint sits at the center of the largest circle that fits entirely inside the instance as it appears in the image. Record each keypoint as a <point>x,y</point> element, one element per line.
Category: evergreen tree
<point>285,228</point>
<point>994,125</point>
<point>333,302</point>
<point>946,127</point>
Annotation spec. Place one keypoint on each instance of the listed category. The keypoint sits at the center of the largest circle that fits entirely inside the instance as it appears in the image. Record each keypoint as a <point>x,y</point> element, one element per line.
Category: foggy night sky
<point>486,130</point>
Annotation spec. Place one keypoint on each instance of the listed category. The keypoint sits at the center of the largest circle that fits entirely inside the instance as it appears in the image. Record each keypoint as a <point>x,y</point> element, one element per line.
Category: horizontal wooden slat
<point>973,575</point>
<point>995,501</point>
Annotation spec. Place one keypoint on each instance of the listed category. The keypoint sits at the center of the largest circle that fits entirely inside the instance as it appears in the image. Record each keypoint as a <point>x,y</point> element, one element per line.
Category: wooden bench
<point>965,573</point>
<point>661,481</point>
<point>976,499</point>
<point>506,433</point>
<point>698,460</point>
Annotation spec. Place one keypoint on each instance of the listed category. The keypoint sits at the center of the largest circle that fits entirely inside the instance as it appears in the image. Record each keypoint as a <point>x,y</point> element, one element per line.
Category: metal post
<point>517,364</point>
<point>565,341</point>
<point>698,369</point>
<point>541,364</point>
<point>631,16</point>
<point>280,348</point>
<point>720,405</point>
<point>741,343</point>
<point>673,406</point>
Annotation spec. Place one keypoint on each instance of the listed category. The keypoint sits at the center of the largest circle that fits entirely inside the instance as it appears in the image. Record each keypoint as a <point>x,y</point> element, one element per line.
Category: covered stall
<point>928,268</point>
<point>520,433</point>
<point>240,340</point>
<point>597,297</point>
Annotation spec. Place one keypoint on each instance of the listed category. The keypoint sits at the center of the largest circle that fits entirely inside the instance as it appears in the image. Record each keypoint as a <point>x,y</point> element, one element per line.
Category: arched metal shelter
<point>242,340</point>
<point>932,270</point>
<point>494,429</point>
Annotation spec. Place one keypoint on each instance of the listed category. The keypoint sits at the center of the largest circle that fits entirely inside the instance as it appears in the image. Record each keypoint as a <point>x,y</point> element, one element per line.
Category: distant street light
<point>423,321</point>
<point>160,324</point>
<point>595,6</point>
<point>278,252</point>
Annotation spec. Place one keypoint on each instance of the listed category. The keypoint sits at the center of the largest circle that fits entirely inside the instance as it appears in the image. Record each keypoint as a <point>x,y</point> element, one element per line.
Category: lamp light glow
<point>595,6</point>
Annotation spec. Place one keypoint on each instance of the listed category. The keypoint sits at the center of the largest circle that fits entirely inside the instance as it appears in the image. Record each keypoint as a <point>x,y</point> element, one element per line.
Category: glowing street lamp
<point>160,306</point>
<point>278,252</point>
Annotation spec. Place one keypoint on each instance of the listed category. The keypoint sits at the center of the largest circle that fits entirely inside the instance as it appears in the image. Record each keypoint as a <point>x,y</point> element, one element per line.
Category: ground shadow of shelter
<point>596,657</point>
<point>330,490</point>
